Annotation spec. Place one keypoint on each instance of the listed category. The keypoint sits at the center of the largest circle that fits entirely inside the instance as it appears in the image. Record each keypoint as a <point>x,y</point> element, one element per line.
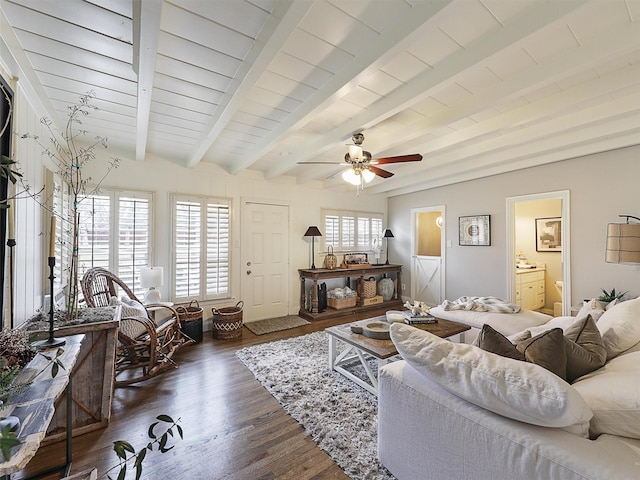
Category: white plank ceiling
<point>478,87</point>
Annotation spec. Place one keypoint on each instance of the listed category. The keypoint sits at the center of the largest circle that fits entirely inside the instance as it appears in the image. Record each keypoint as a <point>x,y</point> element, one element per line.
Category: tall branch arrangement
<point>71,152</point>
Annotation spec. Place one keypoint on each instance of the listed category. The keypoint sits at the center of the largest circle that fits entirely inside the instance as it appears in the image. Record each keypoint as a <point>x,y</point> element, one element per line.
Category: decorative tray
<point>376,330</point>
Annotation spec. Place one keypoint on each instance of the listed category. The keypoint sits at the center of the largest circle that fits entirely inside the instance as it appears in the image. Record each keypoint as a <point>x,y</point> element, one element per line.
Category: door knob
<point>248,272</point>
<point>248,264</point>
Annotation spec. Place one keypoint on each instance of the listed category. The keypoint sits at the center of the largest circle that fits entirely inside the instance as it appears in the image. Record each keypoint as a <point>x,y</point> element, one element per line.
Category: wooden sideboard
<point>320,274</point>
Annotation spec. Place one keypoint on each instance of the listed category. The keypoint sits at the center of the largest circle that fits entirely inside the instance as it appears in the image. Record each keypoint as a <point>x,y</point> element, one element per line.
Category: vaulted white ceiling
<point>478,87</point>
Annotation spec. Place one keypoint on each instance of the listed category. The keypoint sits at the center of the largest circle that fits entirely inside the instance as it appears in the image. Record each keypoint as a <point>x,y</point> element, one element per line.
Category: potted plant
<point>608,297</point>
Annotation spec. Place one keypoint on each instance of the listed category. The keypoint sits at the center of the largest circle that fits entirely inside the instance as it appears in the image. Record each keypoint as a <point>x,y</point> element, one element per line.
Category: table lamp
<point>151,278</point>
<point>387,234</point>
<point>313,232</point>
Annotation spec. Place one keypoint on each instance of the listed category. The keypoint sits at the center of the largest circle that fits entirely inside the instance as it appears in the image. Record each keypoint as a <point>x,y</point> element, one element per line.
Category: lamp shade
<point>151,277</point>
<point>350,176</point>
<point>312,231</point>
<point>368,175</point>
<point>388,234</point>
<point>623,243</point>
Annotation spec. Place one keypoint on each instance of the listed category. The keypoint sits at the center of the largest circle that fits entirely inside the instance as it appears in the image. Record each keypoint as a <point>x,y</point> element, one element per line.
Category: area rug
<point>269,325</point>
<point>340,416</point>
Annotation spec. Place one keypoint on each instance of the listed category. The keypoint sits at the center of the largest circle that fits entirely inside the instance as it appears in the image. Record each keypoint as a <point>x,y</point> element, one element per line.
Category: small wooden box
<point>340,303</point>
<point>372,301</point>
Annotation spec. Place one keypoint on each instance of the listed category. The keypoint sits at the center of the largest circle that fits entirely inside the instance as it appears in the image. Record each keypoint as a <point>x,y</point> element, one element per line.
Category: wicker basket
<point>227,321</point>
<point>368,287</point>
<point>191,320</point>
<point>340,303</point>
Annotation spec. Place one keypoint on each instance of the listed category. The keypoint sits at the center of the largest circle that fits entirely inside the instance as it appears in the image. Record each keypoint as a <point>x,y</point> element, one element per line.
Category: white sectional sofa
<point>454,412</point>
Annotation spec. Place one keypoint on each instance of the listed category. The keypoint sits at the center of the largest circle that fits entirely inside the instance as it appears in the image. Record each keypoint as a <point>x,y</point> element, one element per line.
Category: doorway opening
<point>538,252</point>
<point>428,255</point>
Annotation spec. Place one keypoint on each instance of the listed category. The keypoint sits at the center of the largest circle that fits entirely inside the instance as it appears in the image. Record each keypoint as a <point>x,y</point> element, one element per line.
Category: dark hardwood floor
<point>233,428</point>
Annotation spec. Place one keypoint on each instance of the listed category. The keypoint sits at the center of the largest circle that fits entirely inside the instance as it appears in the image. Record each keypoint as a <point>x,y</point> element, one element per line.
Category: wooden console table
<point>36,405</point>
<point>320,274</point>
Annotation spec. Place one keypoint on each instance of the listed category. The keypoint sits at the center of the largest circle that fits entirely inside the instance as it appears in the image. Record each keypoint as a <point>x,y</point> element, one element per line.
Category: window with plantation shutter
<point>134,238</point>
<point>348,231</point>
<point>115,233</point>
<point>201,248</point>
<point>63,245</point>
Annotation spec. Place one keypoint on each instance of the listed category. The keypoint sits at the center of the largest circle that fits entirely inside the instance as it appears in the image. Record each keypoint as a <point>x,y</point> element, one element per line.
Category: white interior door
<point>426,277</point>
<point>265,260</point>
<point>427,261</point>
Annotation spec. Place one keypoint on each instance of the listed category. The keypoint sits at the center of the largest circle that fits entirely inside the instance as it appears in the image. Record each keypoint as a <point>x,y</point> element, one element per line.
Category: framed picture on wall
<point>549,234</point>
<point>474,230</point>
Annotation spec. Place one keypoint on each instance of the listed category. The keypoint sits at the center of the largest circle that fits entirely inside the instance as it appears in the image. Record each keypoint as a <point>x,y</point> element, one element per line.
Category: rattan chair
<point>145,346</point>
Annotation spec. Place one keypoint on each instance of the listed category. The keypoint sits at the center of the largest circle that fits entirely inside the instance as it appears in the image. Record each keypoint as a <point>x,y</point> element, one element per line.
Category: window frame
<point>354,217</point>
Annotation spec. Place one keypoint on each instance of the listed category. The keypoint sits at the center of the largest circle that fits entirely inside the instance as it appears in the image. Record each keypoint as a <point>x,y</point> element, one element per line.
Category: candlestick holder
<point>11,242</point>
<point>51,341</point>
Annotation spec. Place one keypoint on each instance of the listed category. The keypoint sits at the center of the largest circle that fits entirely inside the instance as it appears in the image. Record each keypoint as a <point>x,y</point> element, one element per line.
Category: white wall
<point>601,187</point>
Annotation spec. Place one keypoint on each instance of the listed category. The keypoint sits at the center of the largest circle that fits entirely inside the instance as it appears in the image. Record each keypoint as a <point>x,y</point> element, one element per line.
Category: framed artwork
<point>474,230</point>
<point>549,234</point>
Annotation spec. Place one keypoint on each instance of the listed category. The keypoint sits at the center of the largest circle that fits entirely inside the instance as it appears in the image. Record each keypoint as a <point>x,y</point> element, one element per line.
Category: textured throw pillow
<point>593,307</point>
<point>514,389</point>
<point>131,309</point>
<point>584,348</point>
<point>493,341</point>
<point>547,350</point>
<point>620,327</point>
<point>613,393</point>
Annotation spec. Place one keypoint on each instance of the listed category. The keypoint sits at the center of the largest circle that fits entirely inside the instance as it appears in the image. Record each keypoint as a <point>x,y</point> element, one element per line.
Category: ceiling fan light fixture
<point>350,176</point>
<point>368,175</point>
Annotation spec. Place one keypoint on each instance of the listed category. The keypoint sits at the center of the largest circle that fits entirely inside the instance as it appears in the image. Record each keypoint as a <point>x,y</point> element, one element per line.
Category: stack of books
<point>421,319</point>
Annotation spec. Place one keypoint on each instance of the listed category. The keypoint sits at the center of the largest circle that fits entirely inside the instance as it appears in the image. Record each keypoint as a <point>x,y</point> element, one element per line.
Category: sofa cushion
<point>620,327</point>
<point>584,348</point>
<point>613,393</point>
<point>519,390</point>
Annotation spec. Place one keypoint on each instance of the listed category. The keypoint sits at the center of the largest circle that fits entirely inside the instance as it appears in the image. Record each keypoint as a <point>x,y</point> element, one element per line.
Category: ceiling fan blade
<point>380,172</point>
<point>416,157</point>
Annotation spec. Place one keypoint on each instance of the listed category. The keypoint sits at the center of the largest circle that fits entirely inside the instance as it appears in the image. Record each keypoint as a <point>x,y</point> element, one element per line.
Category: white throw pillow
<point>511,388</point>
<point>593,307</point>
<point>130,308</point>
<point>620,327</point>
<point>613,393</point>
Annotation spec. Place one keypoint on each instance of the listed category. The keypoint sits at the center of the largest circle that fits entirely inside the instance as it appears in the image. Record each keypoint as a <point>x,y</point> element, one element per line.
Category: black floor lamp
<point>387,234</point>
<point>313,232</point>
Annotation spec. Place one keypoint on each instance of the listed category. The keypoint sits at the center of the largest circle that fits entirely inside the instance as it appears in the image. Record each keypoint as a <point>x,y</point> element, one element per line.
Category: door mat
<point>270,325</point>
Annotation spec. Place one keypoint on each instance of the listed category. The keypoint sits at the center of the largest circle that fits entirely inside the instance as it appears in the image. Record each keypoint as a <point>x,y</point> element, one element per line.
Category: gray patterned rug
<point>260,327</point>
<point>336,413</point>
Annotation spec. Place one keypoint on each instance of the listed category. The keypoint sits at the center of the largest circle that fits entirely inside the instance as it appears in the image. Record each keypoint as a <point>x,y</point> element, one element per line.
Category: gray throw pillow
<point>584,348</point>
<point>492,341</point>
<point>547,350</point>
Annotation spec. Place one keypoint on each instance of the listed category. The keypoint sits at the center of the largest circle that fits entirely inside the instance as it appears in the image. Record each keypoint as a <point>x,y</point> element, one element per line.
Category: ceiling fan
<point>362,168</point>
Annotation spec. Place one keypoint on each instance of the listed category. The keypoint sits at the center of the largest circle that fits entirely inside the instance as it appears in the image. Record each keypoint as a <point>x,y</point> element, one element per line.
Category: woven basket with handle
<point>227,321</point>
